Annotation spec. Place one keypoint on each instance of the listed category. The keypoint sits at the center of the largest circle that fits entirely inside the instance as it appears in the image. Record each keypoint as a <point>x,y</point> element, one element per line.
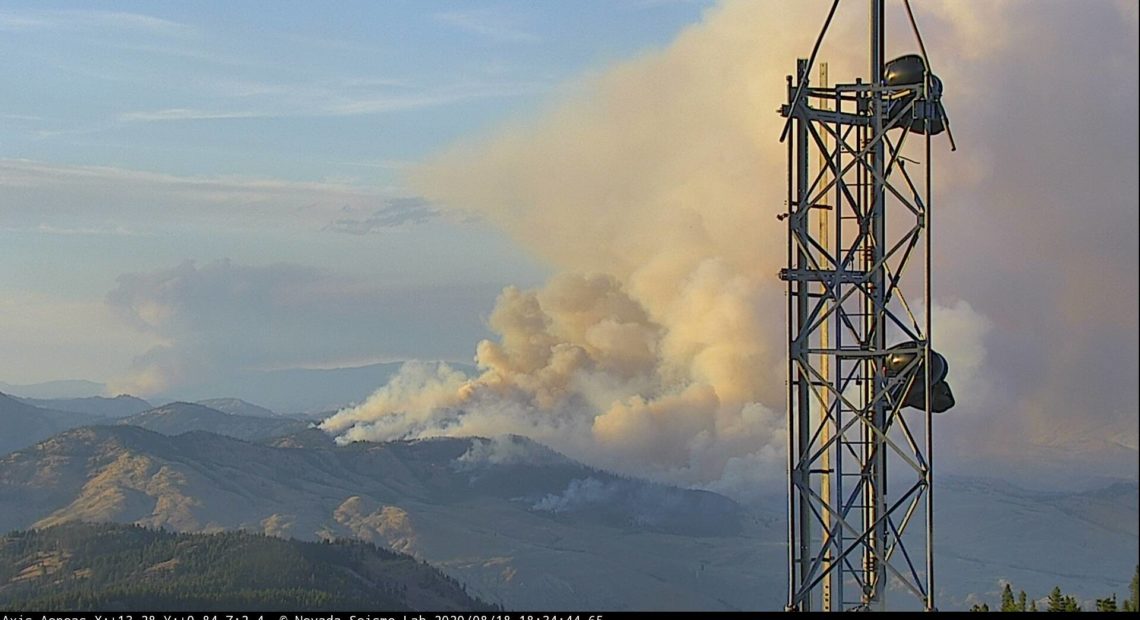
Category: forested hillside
<point>79,566</point>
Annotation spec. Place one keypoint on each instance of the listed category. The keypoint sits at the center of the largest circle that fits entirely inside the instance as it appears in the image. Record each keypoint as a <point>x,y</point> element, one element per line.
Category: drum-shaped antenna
<point>904,70</point>
<point>903,362</point>
<point>909,70</point>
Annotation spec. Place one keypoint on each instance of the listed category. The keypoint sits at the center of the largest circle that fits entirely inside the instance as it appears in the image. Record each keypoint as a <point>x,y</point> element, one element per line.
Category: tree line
<point>1059,601</point>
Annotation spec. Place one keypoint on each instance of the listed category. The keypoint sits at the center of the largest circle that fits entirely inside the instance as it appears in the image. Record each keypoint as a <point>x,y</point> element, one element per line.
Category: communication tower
<point>863,380</point>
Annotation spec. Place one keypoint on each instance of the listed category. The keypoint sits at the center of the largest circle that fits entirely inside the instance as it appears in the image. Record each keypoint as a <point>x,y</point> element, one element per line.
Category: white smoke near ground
<point>658,349</point>
<point>580,492</point>
<point>506,450</point>
<point>961,333</point>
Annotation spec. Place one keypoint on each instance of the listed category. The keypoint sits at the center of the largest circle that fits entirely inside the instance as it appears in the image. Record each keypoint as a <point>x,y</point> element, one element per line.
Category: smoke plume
<point>658,348</point>
<point>652,191</point>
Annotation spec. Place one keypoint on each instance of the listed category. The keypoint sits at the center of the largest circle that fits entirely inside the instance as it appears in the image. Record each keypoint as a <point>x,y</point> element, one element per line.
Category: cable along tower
<point>863,380</point>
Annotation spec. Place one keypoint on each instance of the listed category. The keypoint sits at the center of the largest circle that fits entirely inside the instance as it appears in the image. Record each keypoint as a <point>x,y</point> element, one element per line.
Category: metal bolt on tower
<point>863,380</point>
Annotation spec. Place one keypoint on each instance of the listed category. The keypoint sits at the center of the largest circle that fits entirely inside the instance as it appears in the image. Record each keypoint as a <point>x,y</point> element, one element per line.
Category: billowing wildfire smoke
<point>651,189</point>
<point>657,350</point>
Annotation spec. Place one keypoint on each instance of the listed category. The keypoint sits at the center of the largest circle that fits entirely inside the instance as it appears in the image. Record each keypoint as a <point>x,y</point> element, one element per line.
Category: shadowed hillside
<point>107,566</point>
<point>177,418</point>
<point>22,425</point>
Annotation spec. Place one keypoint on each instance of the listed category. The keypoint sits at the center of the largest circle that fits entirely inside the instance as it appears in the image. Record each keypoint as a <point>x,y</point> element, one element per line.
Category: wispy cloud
<point>21,117</point>
<point>395,212</point>
<point>21,21</point>
<point>433,98</point>
<point>489,23</point>
<point>383,164</point>
<point>182,114</point>
<point>45,229</point>
<point>308,100</point>
<point>182,51</point>
<point>128,21</point>
<point>89,20</point>
<point>51,198</point>
<point>29,173</point>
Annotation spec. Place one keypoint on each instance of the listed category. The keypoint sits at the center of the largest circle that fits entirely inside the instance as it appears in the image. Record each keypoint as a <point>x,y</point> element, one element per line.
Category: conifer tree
<point>1056,600</point>
<point>1133,601</point>
<point>1106,604</point>
<point>1021,601</point>
<point>1062,602</point>
<point>1007,601</point>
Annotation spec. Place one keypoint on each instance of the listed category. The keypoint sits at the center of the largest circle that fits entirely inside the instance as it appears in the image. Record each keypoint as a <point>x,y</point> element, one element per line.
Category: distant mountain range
<point>312,391</point>
<point>237,406</point>
<point>296,390</point>
<point>989,531</point>
<point>120,406</point>
<point>121,567</point>
<point>23,425</point>
<point>68,388</point>
<point>125,405</point>
<point>178,418</point>
<point>300,390</point>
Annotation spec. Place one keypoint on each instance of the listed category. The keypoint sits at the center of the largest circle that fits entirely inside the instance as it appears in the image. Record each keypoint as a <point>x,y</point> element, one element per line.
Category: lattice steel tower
<point>863,381</point>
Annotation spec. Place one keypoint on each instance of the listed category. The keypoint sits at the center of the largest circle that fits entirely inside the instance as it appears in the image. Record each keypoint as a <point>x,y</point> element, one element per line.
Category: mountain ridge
<point>182,417</point>
<point>22,424</point>
<point>109,407</point>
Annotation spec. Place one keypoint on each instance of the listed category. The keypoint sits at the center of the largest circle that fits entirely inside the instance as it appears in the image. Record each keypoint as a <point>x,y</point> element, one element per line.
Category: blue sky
<point>136,136</point>
<point>294,90</point>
